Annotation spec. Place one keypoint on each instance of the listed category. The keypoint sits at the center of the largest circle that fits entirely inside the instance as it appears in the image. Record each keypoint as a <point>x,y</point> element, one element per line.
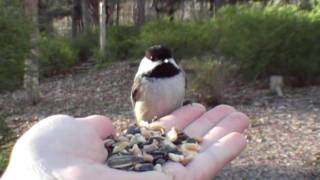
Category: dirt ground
<point>283,138</point>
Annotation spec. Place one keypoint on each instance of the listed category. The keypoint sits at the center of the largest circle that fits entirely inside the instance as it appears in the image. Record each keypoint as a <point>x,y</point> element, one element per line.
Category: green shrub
<point>86,43</point>
<point>6,142</point>
<point>56,55</point>
<point>186,39</point>
<point>207,79</point>
<point>271,40</point>
<point>4,160</point>
<point>122,42</point>
<point>14,46</point>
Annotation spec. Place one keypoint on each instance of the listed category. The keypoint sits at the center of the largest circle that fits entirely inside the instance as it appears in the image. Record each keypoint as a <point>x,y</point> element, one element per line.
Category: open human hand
<point>61,147</point>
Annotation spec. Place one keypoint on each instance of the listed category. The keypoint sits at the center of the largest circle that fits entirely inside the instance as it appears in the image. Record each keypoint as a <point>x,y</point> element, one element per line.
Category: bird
<point>158,86</point>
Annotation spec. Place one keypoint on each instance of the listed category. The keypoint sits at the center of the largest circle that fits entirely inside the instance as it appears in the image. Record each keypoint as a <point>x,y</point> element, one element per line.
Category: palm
<point>220,129</point>
<point>73,149</point>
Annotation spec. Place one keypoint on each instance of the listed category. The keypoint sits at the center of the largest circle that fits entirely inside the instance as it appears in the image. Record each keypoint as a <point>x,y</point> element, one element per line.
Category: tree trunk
<point>102,19</point>
<point>140,12</point>
<point>157,7</point>
<point>45,19</point>
<point>85,15</point>
<point>202,10</point>
<point>214,6</point>
<point>183,6</point>
<point>76,17</point>
<point>118,13</point>
<point>305,4</point>
<point>31,74</point>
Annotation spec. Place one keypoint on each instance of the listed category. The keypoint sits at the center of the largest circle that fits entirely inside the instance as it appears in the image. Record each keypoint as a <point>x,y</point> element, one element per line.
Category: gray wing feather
<point>136,91</point>
<point>185,79</point>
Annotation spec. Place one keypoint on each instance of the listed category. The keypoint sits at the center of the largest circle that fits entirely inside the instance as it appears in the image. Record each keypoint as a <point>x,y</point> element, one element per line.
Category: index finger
<point>182,117</point>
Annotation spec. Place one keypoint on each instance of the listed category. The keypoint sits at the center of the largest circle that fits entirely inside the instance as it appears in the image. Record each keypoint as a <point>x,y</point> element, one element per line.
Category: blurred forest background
<point>229,49</point>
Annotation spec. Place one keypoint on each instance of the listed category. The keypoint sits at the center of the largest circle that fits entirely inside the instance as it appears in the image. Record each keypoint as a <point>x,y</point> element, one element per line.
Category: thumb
<point>101,124</point>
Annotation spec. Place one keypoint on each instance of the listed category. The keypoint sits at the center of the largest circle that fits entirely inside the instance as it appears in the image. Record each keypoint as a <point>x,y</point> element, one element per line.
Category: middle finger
<point>201,126</point>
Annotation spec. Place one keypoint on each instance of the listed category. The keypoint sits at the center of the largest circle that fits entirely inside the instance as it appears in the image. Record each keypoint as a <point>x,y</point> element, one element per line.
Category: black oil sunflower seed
<point>146,150</point>
<point>119,161</point>
<point>160,161</point>
<point>143,167</point>
<point>133,130</point>
<point>191,140</point>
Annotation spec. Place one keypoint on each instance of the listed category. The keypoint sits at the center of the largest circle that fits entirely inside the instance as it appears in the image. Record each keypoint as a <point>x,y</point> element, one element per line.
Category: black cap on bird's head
<point>158,53</point>
<point>158,63</point>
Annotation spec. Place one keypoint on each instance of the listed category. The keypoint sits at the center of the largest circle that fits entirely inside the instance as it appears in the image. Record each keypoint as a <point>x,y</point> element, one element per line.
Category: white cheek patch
<point>171,60</point>
<point>146,65</point>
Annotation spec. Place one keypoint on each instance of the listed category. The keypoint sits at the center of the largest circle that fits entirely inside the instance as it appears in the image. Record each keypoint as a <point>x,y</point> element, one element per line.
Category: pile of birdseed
<point>148,148</point>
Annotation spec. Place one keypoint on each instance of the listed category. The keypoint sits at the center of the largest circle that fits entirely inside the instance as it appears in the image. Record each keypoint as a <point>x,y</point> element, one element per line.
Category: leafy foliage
<point>86,43</point>
<point>186,39</point>
<point>14,46</point>
<point>5,143</point>
<point>262,40</point>
<point>122,42</point>
<point>209,78</point>
<point>56,55</point>
<point>271,40</point>
<point>4,159</point>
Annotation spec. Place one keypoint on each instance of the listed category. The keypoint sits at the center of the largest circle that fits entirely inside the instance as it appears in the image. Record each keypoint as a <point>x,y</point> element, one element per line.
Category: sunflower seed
<point>143,167</point>
<point>145,132</point>
<point>168,143</point>
<point>176,157</point>
<point>120,146</point>
<point>169,149</point>
<point>147,157</point>
<point>156,127</point>
<point>133,130</point>
<point>144,124</point>
<point>109,143</point>
<point>159,154</point>
<point>188,156</point>
<point>190,140</point>
<point>123,161</point>
<point>123,139</point>
<point>190,147</point>
<point>136,151</point>
<point>149,147</point>
<point>158,167</point>
<point>160,161</point>
<point>137,138</point>
<point>172,135</point>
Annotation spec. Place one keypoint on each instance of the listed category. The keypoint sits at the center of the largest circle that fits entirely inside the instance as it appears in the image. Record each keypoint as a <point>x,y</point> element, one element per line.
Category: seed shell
<point>120,146</point>
<point>144,167</point>
<point>176,157</point>
<point>123,161</point>
<point>148,148</point>
<point>172,135</point>
<point>158,167</point>
<point>133,130</point>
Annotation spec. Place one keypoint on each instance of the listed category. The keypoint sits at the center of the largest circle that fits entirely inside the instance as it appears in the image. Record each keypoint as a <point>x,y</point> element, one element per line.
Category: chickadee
<point>159,85</point>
